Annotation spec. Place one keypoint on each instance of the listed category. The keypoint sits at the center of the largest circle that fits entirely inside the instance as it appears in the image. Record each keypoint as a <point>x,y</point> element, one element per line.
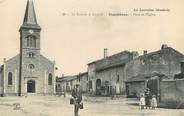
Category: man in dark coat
<point>77,95</point>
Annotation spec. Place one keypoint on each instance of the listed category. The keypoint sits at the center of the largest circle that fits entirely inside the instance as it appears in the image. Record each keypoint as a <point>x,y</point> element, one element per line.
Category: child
<point>153,102</point>
<point>142,102</point>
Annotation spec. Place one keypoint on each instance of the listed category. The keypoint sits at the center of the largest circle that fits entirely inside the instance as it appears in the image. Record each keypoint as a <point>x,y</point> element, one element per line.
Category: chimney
<point>4,59</point>
<point>135,54</point>
<point>105,52</point>
<point>164,46</point>
<point>145,52</point>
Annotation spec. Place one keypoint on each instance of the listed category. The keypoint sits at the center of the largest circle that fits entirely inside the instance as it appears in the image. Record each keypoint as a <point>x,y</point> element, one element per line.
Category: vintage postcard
<point>91,58</point>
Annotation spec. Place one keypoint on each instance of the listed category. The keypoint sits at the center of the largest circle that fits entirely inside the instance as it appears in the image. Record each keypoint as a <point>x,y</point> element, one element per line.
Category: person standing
<point>77,95</point>
<point>153,102</point>
<point>142,102</point>
<point>148,98</point>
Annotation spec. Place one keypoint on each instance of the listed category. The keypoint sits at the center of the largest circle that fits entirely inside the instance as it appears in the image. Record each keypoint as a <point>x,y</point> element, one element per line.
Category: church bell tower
<point>29,46</point>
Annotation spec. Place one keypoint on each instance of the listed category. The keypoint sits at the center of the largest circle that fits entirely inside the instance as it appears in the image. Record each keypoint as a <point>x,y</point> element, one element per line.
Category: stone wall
<point>84,82</point>
<point>165,61</point>
<point>112,75</point>
<point>12,65</point>
<point>43,67</point>
<point>172,93</point>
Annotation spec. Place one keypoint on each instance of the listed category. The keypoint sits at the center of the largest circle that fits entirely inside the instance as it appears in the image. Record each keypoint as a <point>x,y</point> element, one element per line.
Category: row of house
<point>128,73</point>
<point>67,83</point>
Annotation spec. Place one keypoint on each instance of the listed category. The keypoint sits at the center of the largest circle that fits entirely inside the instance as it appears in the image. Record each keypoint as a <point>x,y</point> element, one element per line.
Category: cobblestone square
<point>93,106</point>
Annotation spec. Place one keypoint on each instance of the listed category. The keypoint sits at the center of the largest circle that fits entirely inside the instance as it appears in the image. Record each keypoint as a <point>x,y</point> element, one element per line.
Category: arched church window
<point>31,41</point>
<point>50,79</point>
<point>10,78</point>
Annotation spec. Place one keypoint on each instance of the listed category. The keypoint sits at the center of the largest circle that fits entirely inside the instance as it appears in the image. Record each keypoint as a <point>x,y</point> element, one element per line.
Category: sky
<point>74,41</point>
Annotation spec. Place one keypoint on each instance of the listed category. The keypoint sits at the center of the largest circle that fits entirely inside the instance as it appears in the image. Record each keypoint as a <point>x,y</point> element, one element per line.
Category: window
<point>90,84</point>
<point>79,78</point>
<point>87,78</point>
<point>10,76</point>
<point>31,66</point>
<point>50,79</point>
<point>31,41</point>
<point>117,79</point>
<point>31,55</point>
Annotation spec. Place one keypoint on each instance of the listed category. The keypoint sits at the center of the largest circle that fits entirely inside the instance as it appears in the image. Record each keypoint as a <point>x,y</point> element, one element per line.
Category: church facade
<point>29,72</point>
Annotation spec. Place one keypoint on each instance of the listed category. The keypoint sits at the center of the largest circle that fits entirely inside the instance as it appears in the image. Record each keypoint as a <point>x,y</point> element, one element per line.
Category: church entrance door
<point>31,86</point>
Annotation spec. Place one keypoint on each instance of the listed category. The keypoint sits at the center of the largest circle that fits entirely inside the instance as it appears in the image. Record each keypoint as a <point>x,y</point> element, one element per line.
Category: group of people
<point>147,100</point>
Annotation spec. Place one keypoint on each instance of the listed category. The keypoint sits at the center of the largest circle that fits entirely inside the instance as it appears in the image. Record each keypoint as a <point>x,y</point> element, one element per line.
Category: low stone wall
<point>172,93</point>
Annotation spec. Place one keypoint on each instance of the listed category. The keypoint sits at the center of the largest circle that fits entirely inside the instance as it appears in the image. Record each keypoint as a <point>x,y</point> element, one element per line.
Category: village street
<point>93,106</point>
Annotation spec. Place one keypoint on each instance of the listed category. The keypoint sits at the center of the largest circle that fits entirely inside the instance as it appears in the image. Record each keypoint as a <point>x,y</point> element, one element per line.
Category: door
<point>153,86</point>
<point>31,86</point>
<point>98,87</point>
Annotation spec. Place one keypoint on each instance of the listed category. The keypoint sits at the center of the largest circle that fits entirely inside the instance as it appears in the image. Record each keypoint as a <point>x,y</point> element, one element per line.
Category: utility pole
<point>20,69</point>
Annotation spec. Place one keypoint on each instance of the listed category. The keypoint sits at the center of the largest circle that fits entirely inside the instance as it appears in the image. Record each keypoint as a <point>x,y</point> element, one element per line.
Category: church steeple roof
<point>30,20</point>
<point>30,16</point>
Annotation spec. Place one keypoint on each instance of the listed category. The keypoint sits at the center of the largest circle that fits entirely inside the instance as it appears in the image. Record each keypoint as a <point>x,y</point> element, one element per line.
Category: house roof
<point>143,77</point>
<point>66,78</point>
<point>109,57</point>
<point>148,54</point>
<point>115,60</point>
<point>84,73</point>
<point>123,62</point>
<point>117,64</point>
<point>159,51</point>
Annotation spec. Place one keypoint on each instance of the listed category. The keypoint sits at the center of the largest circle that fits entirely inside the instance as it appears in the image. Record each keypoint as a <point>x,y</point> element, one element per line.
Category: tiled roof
<point>66,78</point>
<point>143,77</point>
<point>109,57</point>
<point>118,64</point>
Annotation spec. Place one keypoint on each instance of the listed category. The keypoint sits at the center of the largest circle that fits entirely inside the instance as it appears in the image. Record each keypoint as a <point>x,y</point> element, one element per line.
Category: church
<point>29,72</point>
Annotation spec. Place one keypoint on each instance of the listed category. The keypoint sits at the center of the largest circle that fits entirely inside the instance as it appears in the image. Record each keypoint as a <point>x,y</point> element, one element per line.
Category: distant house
<point>106,76</point>
<point>66,83</point>
<point>165,62</point>
<point>113,74</point>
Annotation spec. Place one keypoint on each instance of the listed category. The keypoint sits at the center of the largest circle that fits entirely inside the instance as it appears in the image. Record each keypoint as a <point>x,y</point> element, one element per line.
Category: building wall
<point>61,86</point>
<point>109,75</point>
<point>46,68</point>
<point>135,89</point>
<point>84,82</point>
<point>40,74</point>
<point>12,66</point>
<point>112,75</point>
<point>172,92</point>
<point>167,62</point>
<point>1,80</point>
<point>91,77</point>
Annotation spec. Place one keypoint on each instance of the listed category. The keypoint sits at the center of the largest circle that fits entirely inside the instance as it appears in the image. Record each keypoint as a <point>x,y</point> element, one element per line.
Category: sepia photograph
<point>91,58</point>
